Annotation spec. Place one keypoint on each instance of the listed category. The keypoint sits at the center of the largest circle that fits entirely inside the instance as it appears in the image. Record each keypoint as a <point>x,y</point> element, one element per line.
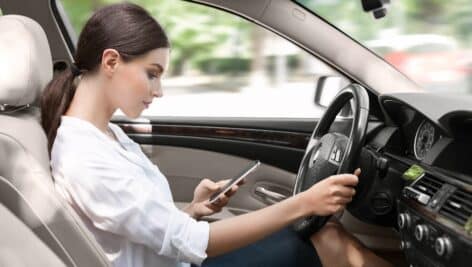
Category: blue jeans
<point>281,249</point>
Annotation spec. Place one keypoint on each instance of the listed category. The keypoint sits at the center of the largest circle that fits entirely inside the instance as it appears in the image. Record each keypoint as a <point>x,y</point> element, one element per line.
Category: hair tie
<point>75,70</point>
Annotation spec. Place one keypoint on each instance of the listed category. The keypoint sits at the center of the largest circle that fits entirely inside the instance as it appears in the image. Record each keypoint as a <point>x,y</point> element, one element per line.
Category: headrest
<point>25,60</point>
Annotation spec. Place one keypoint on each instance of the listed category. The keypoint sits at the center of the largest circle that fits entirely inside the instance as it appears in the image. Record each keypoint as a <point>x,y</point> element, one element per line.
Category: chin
<point>132,114</point>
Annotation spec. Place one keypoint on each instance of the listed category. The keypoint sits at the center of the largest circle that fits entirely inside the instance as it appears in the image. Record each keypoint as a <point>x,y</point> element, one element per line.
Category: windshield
<point>430,41</point>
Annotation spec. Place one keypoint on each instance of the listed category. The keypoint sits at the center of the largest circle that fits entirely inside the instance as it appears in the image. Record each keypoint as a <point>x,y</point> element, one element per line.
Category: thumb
<point>346,179</point>
<point>221,183</point>
<point>357,172</point>
<point>209,185</point>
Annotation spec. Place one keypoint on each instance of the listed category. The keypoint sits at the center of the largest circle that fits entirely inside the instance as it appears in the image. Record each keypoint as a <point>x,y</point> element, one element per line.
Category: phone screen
<point>250,168</point>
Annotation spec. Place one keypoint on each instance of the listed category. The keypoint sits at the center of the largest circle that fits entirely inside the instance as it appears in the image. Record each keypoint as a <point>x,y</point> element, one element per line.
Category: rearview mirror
<point>327,88</point>
<point>377,7</point>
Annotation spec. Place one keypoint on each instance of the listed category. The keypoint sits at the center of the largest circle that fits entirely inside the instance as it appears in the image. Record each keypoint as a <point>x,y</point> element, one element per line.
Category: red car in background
<point>435,62</point>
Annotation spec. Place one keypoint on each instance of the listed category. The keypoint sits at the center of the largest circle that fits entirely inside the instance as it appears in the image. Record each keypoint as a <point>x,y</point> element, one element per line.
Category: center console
<point>435,222</point>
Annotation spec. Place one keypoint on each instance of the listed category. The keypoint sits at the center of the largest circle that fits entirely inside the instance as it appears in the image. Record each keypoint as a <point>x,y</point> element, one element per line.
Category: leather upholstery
<point>26,185</point>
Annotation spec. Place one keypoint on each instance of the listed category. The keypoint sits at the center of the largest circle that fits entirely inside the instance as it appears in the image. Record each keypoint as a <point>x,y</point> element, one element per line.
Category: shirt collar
<point>123,139</point>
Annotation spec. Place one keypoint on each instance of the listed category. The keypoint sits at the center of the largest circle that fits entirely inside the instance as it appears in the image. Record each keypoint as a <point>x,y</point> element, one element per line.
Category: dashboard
<point>425,153</point>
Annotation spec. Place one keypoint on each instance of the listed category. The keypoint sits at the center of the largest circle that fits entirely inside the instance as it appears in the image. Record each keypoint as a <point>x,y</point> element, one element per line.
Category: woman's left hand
<point>201,205</point>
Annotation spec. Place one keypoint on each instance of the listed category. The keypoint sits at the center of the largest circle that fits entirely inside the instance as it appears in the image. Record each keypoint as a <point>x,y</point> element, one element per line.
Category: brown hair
<point>125,27</point>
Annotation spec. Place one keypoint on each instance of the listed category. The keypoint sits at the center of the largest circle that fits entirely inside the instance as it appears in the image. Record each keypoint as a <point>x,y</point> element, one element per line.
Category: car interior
<point>414,200</point>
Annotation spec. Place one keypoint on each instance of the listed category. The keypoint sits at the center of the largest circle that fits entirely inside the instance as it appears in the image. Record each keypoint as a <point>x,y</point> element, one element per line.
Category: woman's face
<point>134,84</point>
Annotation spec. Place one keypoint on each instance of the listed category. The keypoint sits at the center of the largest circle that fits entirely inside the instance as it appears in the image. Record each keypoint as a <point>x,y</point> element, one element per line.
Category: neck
<point>91,103</point>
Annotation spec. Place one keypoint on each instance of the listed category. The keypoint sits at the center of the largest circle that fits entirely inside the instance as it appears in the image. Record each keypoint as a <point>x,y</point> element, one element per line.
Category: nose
<point>157,93</point>
<point>157,90</point>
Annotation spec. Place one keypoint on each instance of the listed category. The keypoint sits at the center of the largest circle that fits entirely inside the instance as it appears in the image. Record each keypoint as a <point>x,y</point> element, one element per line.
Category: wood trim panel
<point>270,137</point>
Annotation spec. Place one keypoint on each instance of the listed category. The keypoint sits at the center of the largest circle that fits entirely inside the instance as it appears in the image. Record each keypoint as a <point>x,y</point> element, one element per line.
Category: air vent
<point>428,185</point>
<point>458,207</point>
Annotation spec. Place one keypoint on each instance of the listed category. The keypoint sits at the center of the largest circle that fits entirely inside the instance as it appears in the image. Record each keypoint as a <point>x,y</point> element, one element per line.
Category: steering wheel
<point>332,153</point>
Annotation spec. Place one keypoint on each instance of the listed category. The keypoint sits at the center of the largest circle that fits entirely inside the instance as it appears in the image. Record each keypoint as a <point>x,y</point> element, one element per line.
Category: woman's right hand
<point>323,198</point>
<point>330,195</point>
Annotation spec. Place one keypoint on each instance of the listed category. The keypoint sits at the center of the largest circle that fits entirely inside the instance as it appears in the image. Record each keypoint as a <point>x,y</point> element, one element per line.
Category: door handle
<point>262,191</point>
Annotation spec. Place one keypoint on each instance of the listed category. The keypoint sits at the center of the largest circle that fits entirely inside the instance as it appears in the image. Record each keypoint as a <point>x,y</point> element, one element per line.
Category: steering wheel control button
<point>421,232</point>
<point>404,220</point>
<point>315,156</point>
<point>443,247</point>
<point>333,154</point>
<point>336,155</point>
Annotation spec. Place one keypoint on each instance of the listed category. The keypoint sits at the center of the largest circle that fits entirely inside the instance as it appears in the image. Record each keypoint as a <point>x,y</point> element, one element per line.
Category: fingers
<point>233,191</point>
<point>220,202</point>
<point>338,204</point>
<point>345,179</point>
<point>343,191</point>
<point>342,200</point>
<point>341,194</point>
<point>222,182</point>
<point>335,208</point>
<point>357,172</point>
<point>213,186</point>
<point>209,184</point>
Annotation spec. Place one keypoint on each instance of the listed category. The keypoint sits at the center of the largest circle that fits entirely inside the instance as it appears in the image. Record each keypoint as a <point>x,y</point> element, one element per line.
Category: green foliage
<point>195,31</point>
<point>80,11</point>
<point>232,65</point>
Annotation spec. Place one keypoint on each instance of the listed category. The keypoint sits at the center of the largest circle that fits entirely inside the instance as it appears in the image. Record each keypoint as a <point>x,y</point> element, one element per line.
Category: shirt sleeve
<point>125,202</point>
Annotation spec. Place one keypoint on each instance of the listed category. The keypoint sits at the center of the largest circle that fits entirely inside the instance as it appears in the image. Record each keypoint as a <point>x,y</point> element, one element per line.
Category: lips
<point>147,103</point>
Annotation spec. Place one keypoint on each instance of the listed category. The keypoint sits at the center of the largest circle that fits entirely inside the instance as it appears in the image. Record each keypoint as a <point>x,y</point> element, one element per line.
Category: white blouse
<point>123,198</point>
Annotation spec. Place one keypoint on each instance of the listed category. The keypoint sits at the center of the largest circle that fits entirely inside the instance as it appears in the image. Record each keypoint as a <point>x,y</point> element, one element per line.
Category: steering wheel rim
<point>321,157</point>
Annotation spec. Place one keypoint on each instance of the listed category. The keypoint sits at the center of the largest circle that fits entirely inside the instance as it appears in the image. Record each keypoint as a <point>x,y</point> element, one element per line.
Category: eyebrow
<point>159,66</point>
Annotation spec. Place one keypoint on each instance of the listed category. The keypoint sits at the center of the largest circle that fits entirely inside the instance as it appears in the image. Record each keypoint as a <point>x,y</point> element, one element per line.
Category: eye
<point>151,75</point>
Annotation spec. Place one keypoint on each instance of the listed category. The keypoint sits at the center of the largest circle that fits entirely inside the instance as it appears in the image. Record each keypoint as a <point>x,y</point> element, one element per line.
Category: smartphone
<point>250,168</point>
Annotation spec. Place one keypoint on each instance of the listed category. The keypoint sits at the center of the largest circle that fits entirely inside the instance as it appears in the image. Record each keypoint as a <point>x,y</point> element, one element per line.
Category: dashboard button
<point>443,246</point>
<point>404,245</point>
<point>421,232</point>
<point>404,220</point>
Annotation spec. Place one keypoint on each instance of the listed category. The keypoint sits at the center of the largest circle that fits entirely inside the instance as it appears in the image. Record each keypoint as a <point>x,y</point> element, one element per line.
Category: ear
<point>110,61</point>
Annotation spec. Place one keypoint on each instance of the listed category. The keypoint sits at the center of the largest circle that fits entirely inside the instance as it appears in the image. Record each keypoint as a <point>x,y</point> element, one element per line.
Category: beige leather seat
<point>26,186</point>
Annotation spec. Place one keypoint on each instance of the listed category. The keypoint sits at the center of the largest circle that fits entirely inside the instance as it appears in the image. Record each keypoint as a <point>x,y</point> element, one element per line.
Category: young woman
<point>126,201</point>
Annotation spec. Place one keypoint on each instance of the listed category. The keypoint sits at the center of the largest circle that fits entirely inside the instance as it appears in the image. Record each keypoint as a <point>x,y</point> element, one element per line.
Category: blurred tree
<point>258,64</point>
<point>79,11</point>
<point>196,31</point>
<point>460,16</point>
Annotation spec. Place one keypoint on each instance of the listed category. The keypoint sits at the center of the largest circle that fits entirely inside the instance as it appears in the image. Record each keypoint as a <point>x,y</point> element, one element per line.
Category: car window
<point>224,65</point>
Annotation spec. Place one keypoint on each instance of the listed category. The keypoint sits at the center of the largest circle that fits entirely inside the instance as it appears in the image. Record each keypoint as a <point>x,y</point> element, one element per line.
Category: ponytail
<point>55,100</point>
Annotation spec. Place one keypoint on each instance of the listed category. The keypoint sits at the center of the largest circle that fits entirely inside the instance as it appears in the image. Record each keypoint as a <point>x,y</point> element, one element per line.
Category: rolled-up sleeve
<point>125,202</point>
